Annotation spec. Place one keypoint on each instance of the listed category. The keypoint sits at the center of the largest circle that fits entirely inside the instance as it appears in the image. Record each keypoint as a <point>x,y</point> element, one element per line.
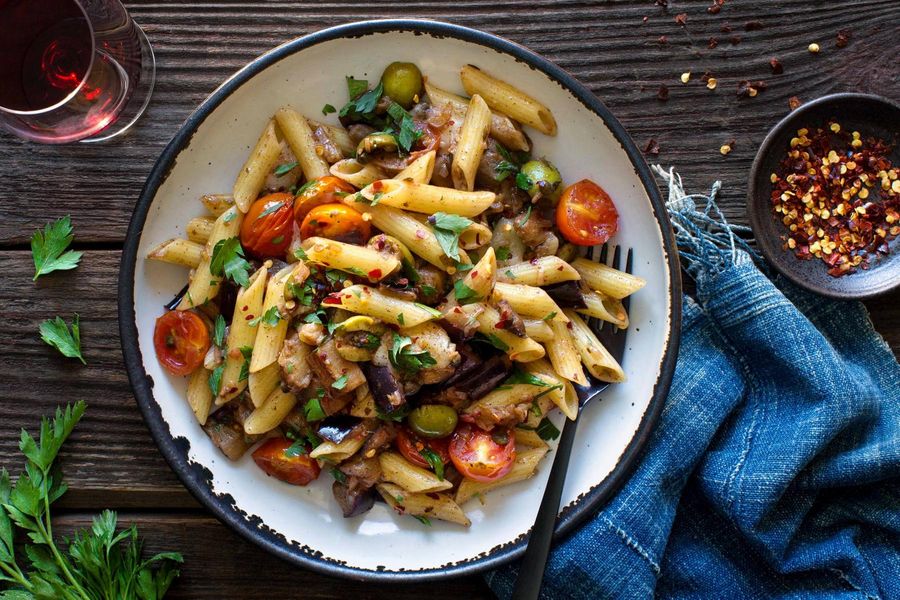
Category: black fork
<point>531,571</point>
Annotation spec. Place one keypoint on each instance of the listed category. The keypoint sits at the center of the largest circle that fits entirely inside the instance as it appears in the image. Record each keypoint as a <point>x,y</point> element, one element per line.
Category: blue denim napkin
<point>774,470</point>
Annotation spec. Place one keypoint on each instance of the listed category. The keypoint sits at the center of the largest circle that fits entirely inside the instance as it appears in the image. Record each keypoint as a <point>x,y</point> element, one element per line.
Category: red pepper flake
<point>716,7</point>
<point>474,274</point>
<point>663,93</point>
<point>753,25</point>
<point>713,42</point>
<point>652,147</point>
<point>735,40</point>
<point>777,67</point>
<point>248,318</point>
<point>794,102</point>
<point>681,19</point>
<point>843,38</point>
<point>749,89</point>
<point>663,3</point>
<point>377,185</point>
<point>375,274</point>
<point>332,299</point>
<point>663,39</point>
<point>645,19</point>
<point>725,28</point>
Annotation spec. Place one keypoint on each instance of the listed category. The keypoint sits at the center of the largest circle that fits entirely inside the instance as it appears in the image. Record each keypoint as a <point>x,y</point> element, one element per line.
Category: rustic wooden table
<point>623,50</point>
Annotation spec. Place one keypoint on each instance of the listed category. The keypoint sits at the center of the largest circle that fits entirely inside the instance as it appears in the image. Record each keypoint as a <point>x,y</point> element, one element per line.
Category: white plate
<point>304,524</point>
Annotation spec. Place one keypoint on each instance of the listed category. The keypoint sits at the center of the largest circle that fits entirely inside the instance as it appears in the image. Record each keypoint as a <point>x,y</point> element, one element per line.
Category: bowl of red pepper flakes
<point>824,196</point>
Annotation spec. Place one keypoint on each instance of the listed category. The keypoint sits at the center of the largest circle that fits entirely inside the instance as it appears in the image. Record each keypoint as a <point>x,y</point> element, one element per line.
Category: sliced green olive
<point>544,178</point>
<point>402,82</point>
<point>375,142</point>
<point>433,420</point>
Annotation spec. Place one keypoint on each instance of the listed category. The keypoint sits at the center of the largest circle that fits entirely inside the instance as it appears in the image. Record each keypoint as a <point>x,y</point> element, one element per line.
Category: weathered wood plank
<point>219,564</point>
<point>606,45</point>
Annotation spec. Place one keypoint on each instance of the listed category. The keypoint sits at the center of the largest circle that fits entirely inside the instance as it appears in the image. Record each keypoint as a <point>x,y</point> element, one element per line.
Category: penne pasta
<point>605,308</point>
<point>204,286</point>
<point>396,469</point>
<point>253,174</point>
<point>524,467</point>
<point>538,330</point>
<point>612,282</point>
<point>519,349</point>
<point>300,138</point>
<point>479,280</point>
<point>335,453</point>
<point>419,170</point>
<point>199,228</point>
<point>599,362</point>
<point>512,395</point>
<point>427,199</point>
<point>474,236</point>
<point>546,270</point>
<point>471,144</point>
<point>271,329</point>
<point>562,353</point>
<point>364,404</point>
<point>528,300</point>
<point>199,396</point>
<point>267,417</point>
<point>359,260</point>
<point>178,252</point>
<point>241,337</point>
<point>432,506</point>
<point>502,128</point>
<point>506,99</point>
<point>364,300</point>
<point>338,135</point>
<point>355,173</point>
<point>216,204</point>
<point>556,393</point>
<point>263,382</point>
<point>528,438</point>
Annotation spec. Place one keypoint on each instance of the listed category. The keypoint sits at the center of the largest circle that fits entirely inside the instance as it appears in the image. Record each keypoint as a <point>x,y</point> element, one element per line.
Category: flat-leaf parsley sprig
<point>96,564</point>
<point>48,248</point>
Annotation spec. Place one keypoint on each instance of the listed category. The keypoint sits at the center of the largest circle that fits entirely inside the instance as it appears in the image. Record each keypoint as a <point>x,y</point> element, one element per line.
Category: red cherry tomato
<point>292,466</point>
<point>268,226</point>
<point>482,455</point>
<point>409,444</point>
<point>181,339</point>
<point>325,190</point>
<point>336,222</point>
<point>586,215</point>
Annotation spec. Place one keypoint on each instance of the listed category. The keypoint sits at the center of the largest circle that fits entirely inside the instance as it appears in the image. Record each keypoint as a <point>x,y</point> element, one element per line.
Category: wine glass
<point>72,70</point>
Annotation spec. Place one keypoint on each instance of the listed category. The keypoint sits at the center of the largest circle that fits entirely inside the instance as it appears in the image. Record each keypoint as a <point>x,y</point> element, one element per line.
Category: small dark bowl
<point>871,116</point>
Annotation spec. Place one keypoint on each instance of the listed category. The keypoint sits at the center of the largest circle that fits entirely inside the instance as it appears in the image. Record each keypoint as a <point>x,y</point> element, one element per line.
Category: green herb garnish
<point>406,359</point>
<point>284,169</point>
<point>432,458</point>
<point>447,228</point>
<point>56,333</point>
<point>48,248</point>
<point>228,261</point>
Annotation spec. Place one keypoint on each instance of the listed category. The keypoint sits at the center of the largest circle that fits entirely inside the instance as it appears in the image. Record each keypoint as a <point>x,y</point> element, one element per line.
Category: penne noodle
<point>519,349</point>
<point>199,228</point>
<point>506,99</point>
<point>502,128</point>
<point>355,173</point>
<point>178,252</point>
<point>216,204</point>
<point>396,469</point>
<point>267,417</point>
<point>538,330</point>
<point>338,135</point>
<point>599,362</point>
<point>556,394</point>
<point>513,394</point>
<point>336,453</point>
<point>359,260</point>
<point>263,382</point>
<point>612,282</point>
<point>204,286</point>
<point>199,396</point>
<point>480,278</point>
<point>427,199</point>
<point>528,438</point>
<point>300,138</point>
<point>253,174</point>
<point>270,338</point>
<point>524,467</point>
<point>419,170</point>
<point>364,300</point>
<point>475,236</point>
<point>562,353</point>
<point>471,144</point>
<point>364,404</point>
<point>241,337</point>
<point>546,270</point>
<point>528,300</point>
<point>432,506</point>
<point>605,308</point>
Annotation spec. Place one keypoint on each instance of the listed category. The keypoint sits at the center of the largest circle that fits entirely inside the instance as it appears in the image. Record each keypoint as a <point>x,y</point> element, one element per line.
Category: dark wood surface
<point>113,462</point>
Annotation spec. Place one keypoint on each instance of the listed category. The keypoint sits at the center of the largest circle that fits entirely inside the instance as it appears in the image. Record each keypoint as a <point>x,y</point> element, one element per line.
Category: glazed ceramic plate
<point>304,524</point>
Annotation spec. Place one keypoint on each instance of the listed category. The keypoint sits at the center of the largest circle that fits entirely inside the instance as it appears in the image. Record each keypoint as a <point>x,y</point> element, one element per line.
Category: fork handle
<point>531,571</point>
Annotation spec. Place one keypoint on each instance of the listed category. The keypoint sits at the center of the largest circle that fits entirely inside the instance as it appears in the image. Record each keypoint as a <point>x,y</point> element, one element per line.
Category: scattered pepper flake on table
<point>843,38</point>
<point>813,48</point>
<point>716,7</point>
<point>652,147</point>
<point>685,77</point>
<point>681,19</point>
<point>777,67</point>
<point>713,42</point>
<point>794,102</point>
<point>839,197</point>
<point>663,93</point>
<point>726,148</point>
<point>753,25</point>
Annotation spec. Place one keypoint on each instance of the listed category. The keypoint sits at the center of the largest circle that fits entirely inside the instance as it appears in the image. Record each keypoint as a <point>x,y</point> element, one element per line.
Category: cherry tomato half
<point>291,466</point>
<point>181,339</point>
<point>336,222</point>
<point>325,190</point>
<point>268,226</point>
<point>586,215</point>
<point>480,455</point>
<point>409,444</point>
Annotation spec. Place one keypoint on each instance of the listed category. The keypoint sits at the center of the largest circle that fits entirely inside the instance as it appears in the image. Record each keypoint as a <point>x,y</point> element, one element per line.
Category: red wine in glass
<point>71,69</point>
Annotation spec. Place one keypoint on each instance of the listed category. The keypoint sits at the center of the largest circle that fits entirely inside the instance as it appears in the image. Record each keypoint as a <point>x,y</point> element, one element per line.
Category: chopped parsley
<point>303,294</point>
<point>422,520</point>
<point>300,254</point>
<point>270,318</point>
<point>521,377</point>
<point>219,331</point>
<point>284,169</point>
<point>504,169</point>
<point>362,103</point>
<point>522,181</point>
<point>497,343</point>
<point>312,410</point>
<point>247,353</point>
<point>328,109</point>
<point>432,458</point>
<point>215,379</point>
<point>56,333</point>
<point>549,316</point>
<point>401,319</point>
<point>428,290</point>
<point>228,261</point>
<point>272,207</point>
<point>48,248</point>
<point>408,134</point>
<point>463,293</point>
<point>298,448</point>
<point>447,228</point>
<point>526,217</point>
<point>341,382</point>
<point>338,475</point>
<point>547,430</point>
<point>406,359</point>
<point>503,253</point>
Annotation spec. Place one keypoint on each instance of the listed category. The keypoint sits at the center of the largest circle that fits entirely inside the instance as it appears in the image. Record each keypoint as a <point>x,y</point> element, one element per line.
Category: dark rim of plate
<point>196,478</point>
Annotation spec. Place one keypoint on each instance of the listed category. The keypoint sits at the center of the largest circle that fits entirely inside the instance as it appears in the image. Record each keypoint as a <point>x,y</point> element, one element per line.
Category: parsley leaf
<point>282,169</point>
<point>504,169</point>
<point>219,331</point>
<point>521,377</point>
<point>401,319</point>
<point>463,292</point>
<point>497,343</point>
<point>272,207</point>
<point>408,133</point>
<point>356,87</point>
<point>57,334</point>
<point>522,181</point>
<point>547,430</point>
<point>298,448</point>
<point>228,261</point>
<point>247,353</point>
<point>300,254</point>
<point>527,216</point>
<point>503,253</point>
<point>549,316</point>
<point>313,407</point>
<point>447,228</point>
<point>328,109</point>
<point>47,248</point>
<point>422,520</point>
<point>406,359</point>
<point>303,294</point>
<point>215,379</point>
<point>270,318</point>
<point>364,105</point>
<point>432,458</point>
<point>341,382</point>
<point>338,475</point>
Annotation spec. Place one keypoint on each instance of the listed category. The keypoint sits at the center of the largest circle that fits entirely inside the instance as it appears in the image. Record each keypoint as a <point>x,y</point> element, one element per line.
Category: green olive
<point>544,178</point>
<point>433,420</point>
<point>402,82</point>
